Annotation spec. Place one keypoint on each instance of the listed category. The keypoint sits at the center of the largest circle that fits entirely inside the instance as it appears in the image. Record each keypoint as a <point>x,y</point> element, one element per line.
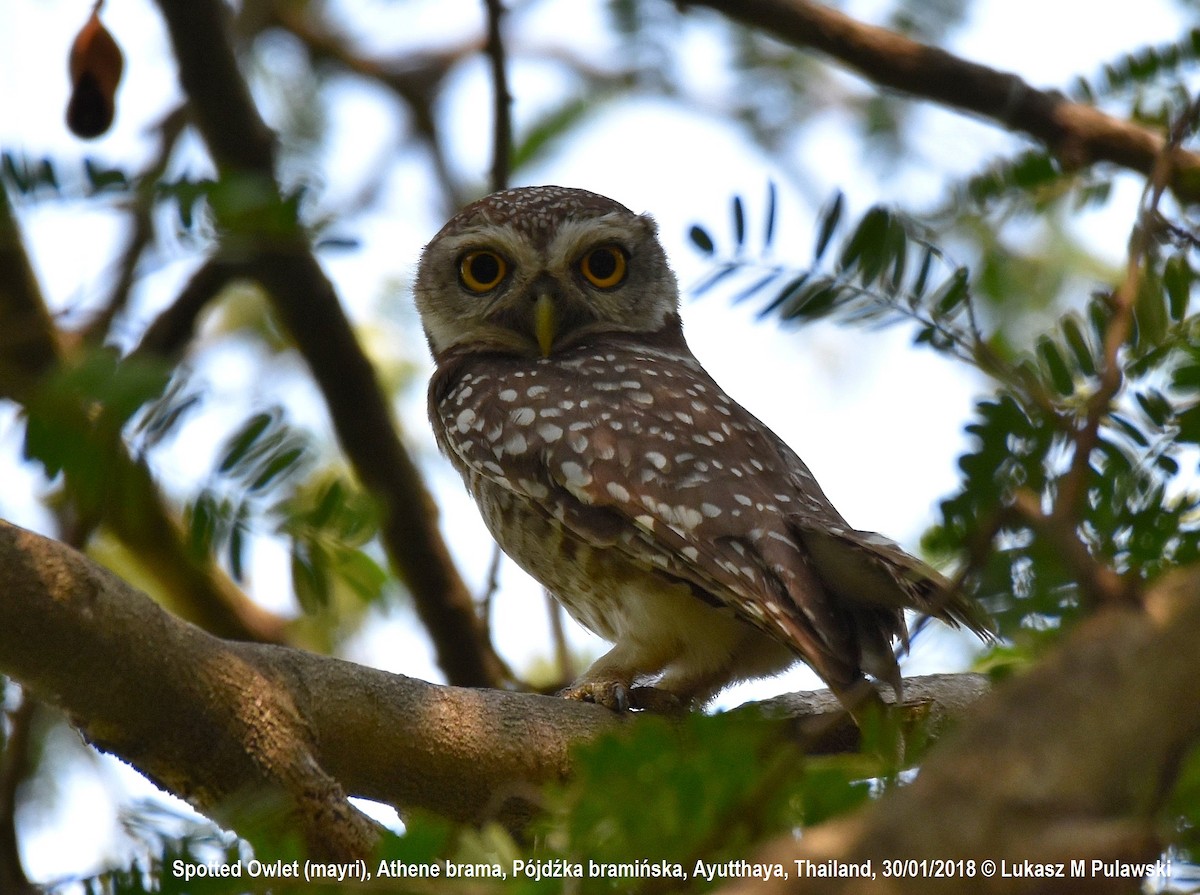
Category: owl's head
<point>535,270</point>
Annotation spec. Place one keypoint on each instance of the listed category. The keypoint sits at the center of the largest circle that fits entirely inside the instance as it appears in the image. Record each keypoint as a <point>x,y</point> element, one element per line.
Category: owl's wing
<point>761,575</point>
<point>858,564</point>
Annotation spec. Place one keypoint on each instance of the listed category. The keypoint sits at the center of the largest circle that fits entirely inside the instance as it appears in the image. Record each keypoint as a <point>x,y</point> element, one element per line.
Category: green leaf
<point>918,286</point>
<point>756,287</point>
<point>1178,278</point>
<point>828,220</point>
<point>813,300</point>
<point>105,179</point>
<point>551,127</point>
<point>1186,377</point>
<point>1150,310</point>
<point>1155,405</point>
<point>1188,422</point>
<point>953,293</point>
<point>237,542</point>
<point>739,223</point>
<point>1077,342</point>
<point>310,581</point>
<point>785,294</point>
<point>277,465</point>
<point>864,250</point>
<point>365,577</point>
<point>769,224</point>
<point>722,272</point>
<point>1055,366</point>
<point>239,445</point>
<point>701,239</point>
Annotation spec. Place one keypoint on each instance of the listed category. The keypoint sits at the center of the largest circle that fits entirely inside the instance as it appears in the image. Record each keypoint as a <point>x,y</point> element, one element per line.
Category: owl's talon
<point>610,694</point>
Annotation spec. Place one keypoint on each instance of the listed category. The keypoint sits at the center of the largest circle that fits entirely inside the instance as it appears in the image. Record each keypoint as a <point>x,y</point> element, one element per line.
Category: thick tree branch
<point>194,713</point>
<point>1077,134</point>
<point>1071,760</point>
<point>210,719</point>
<point>309,307</point>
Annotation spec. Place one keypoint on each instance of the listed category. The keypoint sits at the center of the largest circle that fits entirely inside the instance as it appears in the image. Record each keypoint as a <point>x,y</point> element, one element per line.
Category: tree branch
<point>141,228</point>
<point>15,764</point>
<point>1079,135</point>
<point>501,97</point>
<point>309,307</point>
<point>213,720</point>
<point>29,341</point>
<point>196,714</point>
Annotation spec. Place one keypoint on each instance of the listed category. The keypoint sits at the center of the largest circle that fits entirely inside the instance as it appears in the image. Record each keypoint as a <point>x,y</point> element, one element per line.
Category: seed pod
<point>95,67</point>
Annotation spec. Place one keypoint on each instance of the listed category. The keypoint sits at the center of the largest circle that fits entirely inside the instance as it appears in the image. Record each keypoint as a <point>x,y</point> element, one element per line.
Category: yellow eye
<point>482,271</point>
<point>603,267</point>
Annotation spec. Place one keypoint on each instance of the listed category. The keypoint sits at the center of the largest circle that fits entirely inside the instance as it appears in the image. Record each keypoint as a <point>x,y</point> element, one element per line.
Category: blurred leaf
<point>1077,341</point>
<point>1055,366</point>
<point>701,240</point>
<point>1178,278</point>
<point>739,223</point>
<point>105,179</point>
<point>722,272</point>
<point>756,287</point>
<point>827,221</point>
<point>550,128</point>
<point>239,445</point>
<point>769,224</point>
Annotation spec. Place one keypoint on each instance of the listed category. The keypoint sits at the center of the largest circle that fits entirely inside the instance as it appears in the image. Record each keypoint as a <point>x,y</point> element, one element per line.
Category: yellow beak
<point>545,322</point>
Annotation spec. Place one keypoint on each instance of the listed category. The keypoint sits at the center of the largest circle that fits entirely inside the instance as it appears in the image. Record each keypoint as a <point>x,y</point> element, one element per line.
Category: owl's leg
<point>742,653</point>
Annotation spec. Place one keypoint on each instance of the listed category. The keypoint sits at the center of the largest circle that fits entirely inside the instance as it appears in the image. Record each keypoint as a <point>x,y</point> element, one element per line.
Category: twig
<point>14,770</point>
<point>174,328</point>
<point>1078,134</point>
<point>558,636</point>
<point>310,309</point>
<point>1073,485</point>
<point>491,585</point>
<point>502,98</point>
<point>1099,584</point>
<point>416,79</point>
<point>141,230</point>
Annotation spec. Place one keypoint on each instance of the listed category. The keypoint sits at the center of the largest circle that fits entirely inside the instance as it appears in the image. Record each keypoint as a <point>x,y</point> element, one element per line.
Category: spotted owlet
<point>610,466</point>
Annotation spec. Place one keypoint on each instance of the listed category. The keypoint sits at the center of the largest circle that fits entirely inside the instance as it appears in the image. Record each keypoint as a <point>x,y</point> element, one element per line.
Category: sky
<point>879,423</point>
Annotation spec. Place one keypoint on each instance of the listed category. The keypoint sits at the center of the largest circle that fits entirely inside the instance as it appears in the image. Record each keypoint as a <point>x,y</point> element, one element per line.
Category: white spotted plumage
<point>607,463</point>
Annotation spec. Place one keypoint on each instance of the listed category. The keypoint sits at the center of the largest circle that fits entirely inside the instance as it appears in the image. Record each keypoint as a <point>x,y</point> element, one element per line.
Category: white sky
<point>879,423</point>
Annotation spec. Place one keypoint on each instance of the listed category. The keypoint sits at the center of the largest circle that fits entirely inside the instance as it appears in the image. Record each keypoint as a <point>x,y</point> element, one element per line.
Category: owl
<point>610,466</point>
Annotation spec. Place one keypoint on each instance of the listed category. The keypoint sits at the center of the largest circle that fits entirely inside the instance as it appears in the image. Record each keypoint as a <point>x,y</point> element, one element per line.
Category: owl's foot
<point>610,694</point>
<point>622,698</point>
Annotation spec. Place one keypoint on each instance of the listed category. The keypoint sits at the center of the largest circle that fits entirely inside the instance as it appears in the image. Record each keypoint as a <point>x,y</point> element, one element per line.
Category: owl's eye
<point>603,267</point>
<point>482,271</point>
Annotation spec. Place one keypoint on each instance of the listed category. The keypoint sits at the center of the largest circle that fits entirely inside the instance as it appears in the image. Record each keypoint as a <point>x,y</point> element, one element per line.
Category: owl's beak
<point>545,321</point>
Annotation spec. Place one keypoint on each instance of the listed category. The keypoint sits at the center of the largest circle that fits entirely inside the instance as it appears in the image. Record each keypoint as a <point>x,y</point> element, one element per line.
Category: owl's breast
<point>529,439</point>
